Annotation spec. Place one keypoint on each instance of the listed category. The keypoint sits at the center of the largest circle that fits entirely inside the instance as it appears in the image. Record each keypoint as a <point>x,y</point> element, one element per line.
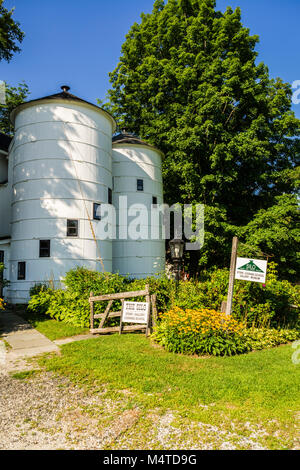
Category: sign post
<point>235,243</point>
<point>244,269</point>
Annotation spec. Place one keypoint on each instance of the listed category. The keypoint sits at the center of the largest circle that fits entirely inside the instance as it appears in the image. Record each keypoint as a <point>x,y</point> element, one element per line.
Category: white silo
<point>62,173</point>
<point>137,180</point>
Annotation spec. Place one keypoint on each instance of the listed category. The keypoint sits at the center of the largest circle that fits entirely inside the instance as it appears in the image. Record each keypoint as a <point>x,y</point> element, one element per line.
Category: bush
<point>262,338</point>
<point>72,306</point>
<point>206,331</point>
<point>200,332</point>
<point>255,304</point>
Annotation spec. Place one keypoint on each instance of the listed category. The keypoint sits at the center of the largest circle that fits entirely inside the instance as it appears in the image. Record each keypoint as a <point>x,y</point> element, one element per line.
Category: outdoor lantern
<point>176,247</point>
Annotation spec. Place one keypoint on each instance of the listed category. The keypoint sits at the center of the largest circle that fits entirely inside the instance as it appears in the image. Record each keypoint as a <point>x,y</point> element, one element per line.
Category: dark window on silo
<point>96,211</point>
<point>154,201</point>
<point>109,196</point>
<point>21,270</point>
<point>72,228</point>
<point>140,185</point>
<point>44,248</point>
<point>1,256</point>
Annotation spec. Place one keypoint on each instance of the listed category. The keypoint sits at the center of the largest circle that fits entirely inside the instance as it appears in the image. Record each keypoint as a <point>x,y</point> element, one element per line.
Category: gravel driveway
<point>43,411</point>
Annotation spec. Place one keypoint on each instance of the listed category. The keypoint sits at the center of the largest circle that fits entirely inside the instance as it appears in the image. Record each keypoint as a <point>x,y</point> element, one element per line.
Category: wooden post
<point>92,311</point>
<point>154,310</point>
<point>121,318</point>
<point>148,299</point>
<point>235,242</point>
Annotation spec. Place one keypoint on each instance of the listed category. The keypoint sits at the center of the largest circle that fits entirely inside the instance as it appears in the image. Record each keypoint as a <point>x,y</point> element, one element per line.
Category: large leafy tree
<point>10,34</point>
<point>188,81</point>
<point>14,97</point>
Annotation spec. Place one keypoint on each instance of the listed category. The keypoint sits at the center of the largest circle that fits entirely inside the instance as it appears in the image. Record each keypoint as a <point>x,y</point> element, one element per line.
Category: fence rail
<point>151,300</point>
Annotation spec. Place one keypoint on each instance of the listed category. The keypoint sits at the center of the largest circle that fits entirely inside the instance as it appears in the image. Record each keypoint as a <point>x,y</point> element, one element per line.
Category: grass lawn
<point>51,328</point>
<point>253,393</point>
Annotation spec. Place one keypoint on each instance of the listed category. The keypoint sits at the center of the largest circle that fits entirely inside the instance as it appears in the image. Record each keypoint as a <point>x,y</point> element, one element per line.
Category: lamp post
<point>176,248</point>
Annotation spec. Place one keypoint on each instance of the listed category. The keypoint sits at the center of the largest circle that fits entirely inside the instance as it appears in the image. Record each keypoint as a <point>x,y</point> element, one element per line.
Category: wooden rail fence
<point>152,315</point>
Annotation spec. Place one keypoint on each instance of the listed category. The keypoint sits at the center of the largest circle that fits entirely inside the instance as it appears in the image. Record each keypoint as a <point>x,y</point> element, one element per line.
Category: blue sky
<point>78,42</point>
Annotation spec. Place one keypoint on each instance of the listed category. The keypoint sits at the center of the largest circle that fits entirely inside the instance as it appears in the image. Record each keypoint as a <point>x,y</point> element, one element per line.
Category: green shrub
<point>40,300</point>
<point>200,332</point>
<point>206,331</point>
<point>262,338</point>
<point>72,306</point>
<point>256,304</point>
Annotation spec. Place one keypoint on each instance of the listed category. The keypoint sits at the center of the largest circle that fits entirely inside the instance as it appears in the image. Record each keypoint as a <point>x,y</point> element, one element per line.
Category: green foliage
<point>256,304</point>
<point>275,230</point>
<point>72,306</point>
<point>253,303</point>
<point>188,81</point>
<point>262,338</point>
<point>14,97</point>
<point>10,34</point>
<point>200,332</point>
<point>221,343</point>
<point>3,282</point>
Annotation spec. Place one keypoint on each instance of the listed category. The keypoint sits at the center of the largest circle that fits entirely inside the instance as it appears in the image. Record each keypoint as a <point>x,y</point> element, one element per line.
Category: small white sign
<point>135,312</point>
<point>253,270</point>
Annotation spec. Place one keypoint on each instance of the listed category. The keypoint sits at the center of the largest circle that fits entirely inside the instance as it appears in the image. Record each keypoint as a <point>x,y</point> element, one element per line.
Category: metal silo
<point>62,173</point>
<point>137,180</point>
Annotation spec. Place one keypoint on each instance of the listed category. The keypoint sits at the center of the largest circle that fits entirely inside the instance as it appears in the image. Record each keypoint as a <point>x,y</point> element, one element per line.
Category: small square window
<point>96,211</point>
<point>140,185</point>
<point>72,228</point>
<point>21,271</point>
<point>44,248</point>
<point>1,256</point>
<point>109,196</point>
<point>154,201</point>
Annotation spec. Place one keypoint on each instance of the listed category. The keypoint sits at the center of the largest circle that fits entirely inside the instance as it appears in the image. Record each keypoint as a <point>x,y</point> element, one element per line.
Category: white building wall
<point>55,143</point>
<point>138,258</point>
<point>5,247</point>
<point>5,196</point>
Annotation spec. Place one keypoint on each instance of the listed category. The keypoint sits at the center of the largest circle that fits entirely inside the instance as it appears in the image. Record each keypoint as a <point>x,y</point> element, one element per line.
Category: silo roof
<point>63,95</point>
<point>127,138</point>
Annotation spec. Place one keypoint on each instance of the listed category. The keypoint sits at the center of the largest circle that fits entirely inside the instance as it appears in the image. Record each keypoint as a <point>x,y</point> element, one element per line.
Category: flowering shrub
<point>206,331</point>
<point>1,304</point>
<point>201,331</point>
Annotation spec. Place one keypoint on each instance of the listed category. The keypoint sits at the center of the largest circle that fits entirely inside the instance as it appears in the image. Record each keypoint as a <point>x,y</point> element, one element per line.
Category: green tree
<point>10,34</point>
<point>14,97</point>
<point>188,81</point>
<point>276,231</point>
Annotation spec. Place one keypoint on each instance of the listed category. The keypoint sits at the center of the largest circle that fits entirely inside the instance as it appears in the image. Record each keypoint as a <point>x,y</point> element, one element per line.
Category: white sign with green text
<point>253,270</point>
